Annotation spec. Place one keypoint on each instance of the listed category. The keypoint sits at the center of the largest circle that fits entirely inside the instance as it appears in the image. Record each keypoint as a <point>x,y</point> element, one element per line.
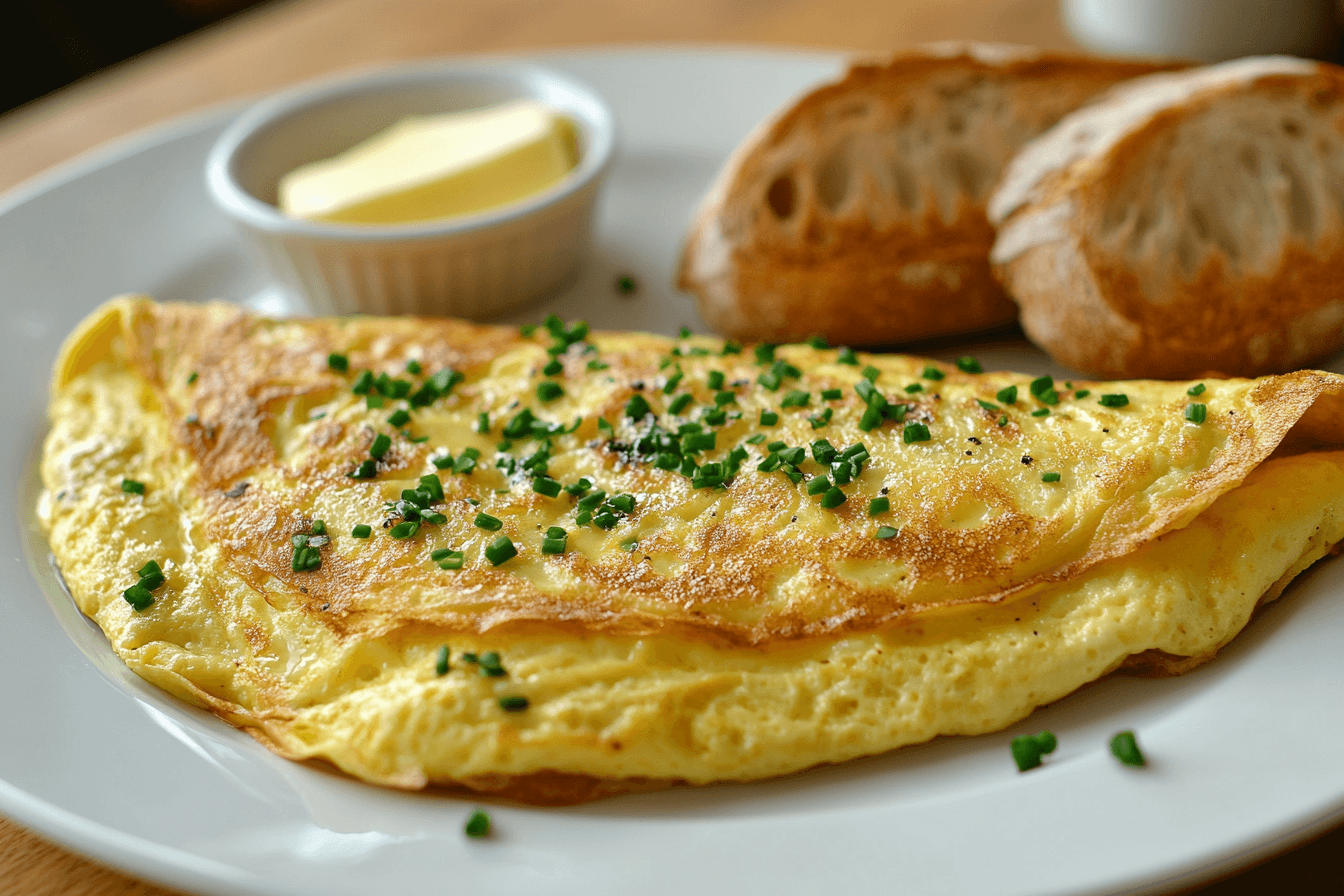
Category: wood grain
<point>285,42</point>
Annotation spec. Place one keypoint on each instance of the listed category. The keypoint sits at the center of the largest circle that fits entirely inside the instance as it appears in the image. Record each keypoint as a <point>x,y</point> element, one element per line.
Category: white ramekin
<point>470,266</point>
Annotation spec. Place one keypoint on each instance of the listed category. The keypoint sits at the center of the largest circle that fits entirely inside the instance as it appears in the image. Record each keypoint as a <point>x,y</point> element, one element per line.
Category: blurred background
<point>52,43</point>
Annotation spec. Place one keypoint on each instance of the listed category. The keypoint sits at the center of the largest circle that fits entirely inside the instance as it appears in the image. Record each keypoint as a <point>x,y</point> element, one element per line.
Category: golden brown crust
<point>858,212</point>
<point>734,560</point>
<point>1196,237</point>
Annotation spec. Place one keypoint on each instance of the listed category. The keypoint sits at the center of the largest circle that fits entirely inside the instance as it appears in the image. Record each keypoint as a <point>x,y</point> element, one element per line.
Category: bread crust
<point>858,212</point>
<point>1183,224</point>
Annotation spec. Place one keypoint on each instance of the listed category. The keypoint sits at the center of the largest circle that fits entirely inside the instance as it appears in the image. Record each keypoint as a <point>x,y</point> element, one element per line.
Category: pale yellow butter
<point>437,166</point>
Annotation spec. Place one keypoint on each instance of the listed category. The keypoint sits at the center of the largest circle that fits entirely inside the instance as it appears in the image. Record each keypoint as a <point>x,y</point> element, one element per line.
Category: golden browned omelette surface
<point>694,561</point>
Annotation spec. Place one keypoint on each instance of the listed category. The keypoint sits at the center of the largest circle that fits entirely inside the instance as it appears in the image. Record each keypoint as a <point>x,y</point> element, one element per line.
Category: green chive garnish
<point>478,825</point>
<point>795,398</point>
<point>361,531</point>
<point>1050,477</point>
<point>885,532</point>
<point>765,353</point>
<point>366,470</point>
<point>914,387</point>
<point>192,378</point>
<point>988,405</point>
<point>513,703</point>
<point>1041,412</point>
<point>131,487</point>
<point>1196,413</point>
<point>818,342</point>
<point>543,485</point>
<point>1114,400</point>
<point>1125,748</point>
<point>1195,390</point>
<point>933,373</point>
<point>488,522</point>
<point>832,394</point>
<point>483,422</point>
<point>138,597</point>
<point>500,550</point>
<point>879,506</point>
<point>915,432</point>
<point>1007,395</point>
<point>847,356</point>
<point>363,383</point>
<point>769,418</point>
<point>833,498</point>
<point>381,443</point>
<point>818,485</point>
<point>549,390</point>
<point>871,373</point>
<point>1028,749</point>
<point>453,560</point>
<point>637,408</point>
<point>338,362</point>
<point>553,368</point>
<point>967,364</point>
<point>404,529</point>
<point>399,418</point>
<point>441,664</point>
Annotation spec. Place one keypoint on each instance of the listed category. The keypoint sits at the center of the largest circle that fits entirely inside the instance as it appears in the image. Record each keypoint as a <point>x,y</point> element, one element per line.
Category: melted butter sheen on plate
<point>981,544</point>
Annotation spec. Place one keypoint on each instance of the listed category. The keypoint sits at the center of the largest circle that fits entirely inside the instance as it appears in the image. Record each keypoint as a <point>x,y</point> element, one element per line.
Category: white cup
<point>1209,30</point>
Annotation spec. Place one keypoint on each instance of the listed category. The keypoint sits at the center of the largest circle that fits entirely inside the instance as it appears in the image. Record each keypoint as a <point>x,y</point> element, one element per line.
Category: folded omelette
<point>554,564</point>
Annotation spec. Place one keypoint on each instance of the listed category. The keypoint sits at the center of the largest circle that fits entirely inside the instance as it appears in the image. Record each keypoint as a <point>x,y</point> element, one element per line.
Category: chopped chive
<point>404,529</point>
<point>483,422</point>
<point>363,383</point>
<point>1050,477</point>
<point>1114,400</point>
<point>987,405</point>
<point>1197,389</point>
<point>465,463</point>
<point>381,443</point>
<point>366,470</point>
<point>552,545</point>
<point>500,550</point>
<point>680,403</point>
<point>132,487</point>
<point>1041,412</point>
<point>361,531</point>
<point>478,825</point>
<point>832,394</point>
<point>1028,749</point>
<point>885,532</point>
<point>192,377</point>
<point>626,285</point>
<point>818,342</point>
<point>795,398</point>
<point>879,506</point>
<point>637,408</point>
<point>932,373</point>
<point>672,382</point>
<point>630,545</point>
<point>543,485</point>
<point>489,523</point>
<point>818,485</point>
<point>765,353</point>
<point>549,390</point>
<point>769,418</point>
<point>915,432</point>
<point>847,356</point>
<point>870,420</point>
<point>453,560</point>
<point>625,503</point>
<point>731,348</point>
<point>1196,413</point>
<point>823,451</point>
<point>1007,395</point>
<point>715,379</point>
<point>967,364</point>
<point>871,373</point>
<point>338,362</point>
<point>1041,385</point>
<point>914,387</point>
<point>1125,748</point>
<point>697,441</point>
<point>1082,393</point>
<point>596,365</point>
<point>593,501</point>
<point>756,439</point>
<point>399,418</point>
<point>724,398</point>
<point>513,703</point>
<point>553,368</point>
<point>441,663</point>
<point>684,333</point>
<point>833,498</point>
<point>138,597</point>
<point>1003,421</point>
<point>820,420</point>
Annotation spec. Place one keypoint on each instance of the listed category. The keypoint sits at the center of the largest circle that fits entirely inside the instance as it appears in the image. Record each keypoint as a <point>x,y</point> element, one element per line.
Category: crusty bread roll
<point>858,212</point>
<point>1184,223</point>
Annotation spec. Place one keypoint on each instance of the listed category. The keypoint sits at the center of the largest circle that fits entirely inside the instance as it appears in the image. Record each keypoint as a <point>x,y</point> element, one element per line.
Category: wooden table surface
<point>279,44</point>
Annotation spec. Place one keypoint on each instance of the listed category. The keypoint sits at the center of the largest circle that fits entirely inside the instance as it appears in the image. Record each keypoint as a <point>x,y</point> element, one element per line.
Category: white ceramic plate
<point>1245,752</point>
